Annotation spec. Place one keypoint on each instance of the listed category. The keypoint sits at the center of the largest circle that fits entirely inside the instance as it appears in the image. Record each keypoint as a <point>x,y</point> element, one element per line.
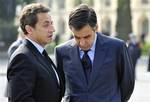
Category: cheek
<point>42,36</point>
<point>89,42</point>
<point>43,30</point>
<point>77,41</point>
<point>46,29</point>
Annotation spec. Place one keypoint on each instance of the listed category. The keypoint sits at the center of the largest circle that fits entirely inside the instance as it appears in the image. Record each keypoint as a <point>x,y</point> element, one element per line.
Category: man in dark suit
<point>97,67</point>
<point>149,63</point>
<point>32,76</point>
<point>134,49</point>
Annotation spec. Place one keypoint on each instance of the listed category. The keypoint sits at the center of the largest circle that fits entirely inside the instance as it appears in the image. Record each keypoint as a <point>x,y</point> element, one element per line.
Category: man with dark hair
<point>97,67</point>
<point>32,76</point>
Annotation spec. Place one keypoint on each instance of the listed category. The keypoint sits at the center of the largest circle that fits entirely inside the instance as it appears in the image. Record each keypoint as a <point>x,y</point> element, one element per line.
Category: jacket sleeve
<point>126,74</point>
<point>59,64</point>
<point>21,79</point>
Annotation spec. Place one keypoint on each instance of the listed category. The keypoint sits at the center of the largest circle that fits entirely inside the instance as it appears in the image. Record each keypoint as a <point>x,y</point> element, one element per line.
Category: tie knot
<point>44,53</point>
<point>86,51</point>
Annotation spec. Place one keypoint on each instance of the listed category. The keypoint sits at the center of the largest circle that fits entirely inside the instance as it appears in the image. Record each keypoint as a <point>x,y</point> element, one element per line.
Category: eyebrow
<point>46,22</point>
<point>83,36</point>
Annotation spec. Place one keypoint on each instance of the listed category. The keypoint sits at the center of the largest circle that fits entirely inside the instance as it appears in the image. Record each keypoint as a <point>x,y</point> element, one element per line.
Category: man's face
<point>43,31</point>
<point>84,37</point>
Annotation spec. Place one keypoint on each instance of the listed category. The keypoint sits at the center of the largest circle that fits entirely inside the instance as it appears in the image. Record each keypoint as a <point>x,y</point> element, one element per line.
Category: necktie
<point>87,65</point>
<point>48,59</point>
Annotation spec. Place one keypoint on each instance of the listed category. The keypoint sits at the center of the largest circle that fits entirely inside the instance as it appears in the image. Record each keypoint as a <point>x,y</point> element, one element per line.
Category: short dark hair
<point>81,16</point>
<point>29,15</point>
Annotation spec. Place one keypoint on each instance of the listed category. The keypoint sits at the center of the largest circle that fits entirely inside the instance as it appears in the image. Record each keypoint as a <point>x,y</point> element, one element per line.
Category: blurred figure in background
<point>134,49</point>
<point>71,37</point>
<point>149,62</point>
<point>143,38</point>
<point>16,43</point>
<point>57,38</point>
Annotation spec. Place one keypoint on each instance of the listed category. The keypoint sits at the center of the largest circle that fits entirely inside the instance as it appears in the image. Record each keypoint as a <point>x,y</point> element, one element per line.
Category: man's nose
<point>82,42</point>
<point>51,29</point>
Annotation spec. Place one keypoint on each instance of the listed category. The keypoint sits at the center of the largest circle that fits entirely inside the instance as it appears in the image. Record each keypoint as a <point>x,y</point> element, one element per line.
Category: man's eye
<point>77,38</point>
<point>45,25</point>
<point>86,37</point>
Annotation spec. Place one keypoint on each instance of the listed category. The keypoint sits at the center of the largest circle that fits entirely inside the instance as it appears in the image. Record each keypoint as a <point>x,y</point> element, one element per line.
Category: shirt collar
<point>94,44</point>
<point>39,47</point>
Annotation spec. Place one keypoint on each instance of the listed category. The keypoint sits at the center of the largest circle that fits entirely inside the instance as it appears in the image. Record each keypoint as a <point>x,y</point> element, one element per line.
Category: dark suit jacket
<point>30,78</point>
<point>112,76</point>
<point>11,49</point>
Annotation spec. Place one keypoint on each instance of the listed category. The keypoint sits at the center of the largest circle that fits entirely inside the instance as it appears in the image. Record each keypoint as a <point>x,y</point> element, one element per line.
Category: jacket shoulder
<point>66,44</point>
<point>112,41</point>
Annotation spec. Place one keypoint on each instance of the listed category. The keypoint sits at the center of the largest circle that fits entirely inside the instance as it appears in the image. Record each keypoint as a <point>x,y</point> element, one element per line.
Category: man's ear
<point>96,27</point>
<point>29,29</point>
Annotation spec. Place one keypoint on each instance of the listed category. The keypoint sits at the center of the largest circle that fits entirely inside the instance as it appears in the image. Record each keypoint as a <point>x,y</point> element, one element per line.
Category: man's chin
<point>49,41</point>
<point>84,49</point>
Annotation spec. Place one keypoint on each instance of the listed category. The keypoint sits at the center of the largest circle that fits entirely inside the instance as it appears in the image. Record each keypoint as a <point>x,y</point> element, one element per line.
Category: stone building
<point>106,12</point>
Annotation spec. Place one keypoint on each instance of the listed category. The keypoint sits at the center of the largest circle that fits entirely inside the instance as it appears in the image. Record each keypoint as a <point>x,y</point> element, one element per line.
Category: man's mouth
<point>50,36</point>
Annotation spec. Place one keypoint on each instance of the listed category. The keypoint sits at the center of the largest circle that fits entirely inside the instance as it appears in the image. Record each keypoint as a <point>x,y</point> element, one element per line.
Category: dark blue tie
<point>87,65</point>
<point>48,59</point>
<point>50,63</point>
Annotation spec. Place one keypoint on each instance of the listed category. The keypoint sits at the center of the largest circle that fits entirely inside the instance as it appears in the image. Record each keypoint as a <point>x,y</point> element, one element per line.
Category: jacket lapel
<point>99,57</point>
<point>41,60</point>
<point>77,62</point>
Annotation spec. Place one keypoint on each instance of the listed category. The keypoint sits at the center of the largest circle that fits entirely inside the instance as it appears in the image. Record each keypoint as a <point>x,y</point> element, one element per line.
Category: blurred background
<point>126,19</point>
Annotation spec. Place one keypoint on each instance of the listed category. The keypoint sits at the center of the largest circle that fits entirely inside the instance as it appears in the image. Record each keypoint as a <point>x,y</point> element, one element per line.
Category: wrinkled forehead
<point>44,17</point>
<point>82,33</point>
